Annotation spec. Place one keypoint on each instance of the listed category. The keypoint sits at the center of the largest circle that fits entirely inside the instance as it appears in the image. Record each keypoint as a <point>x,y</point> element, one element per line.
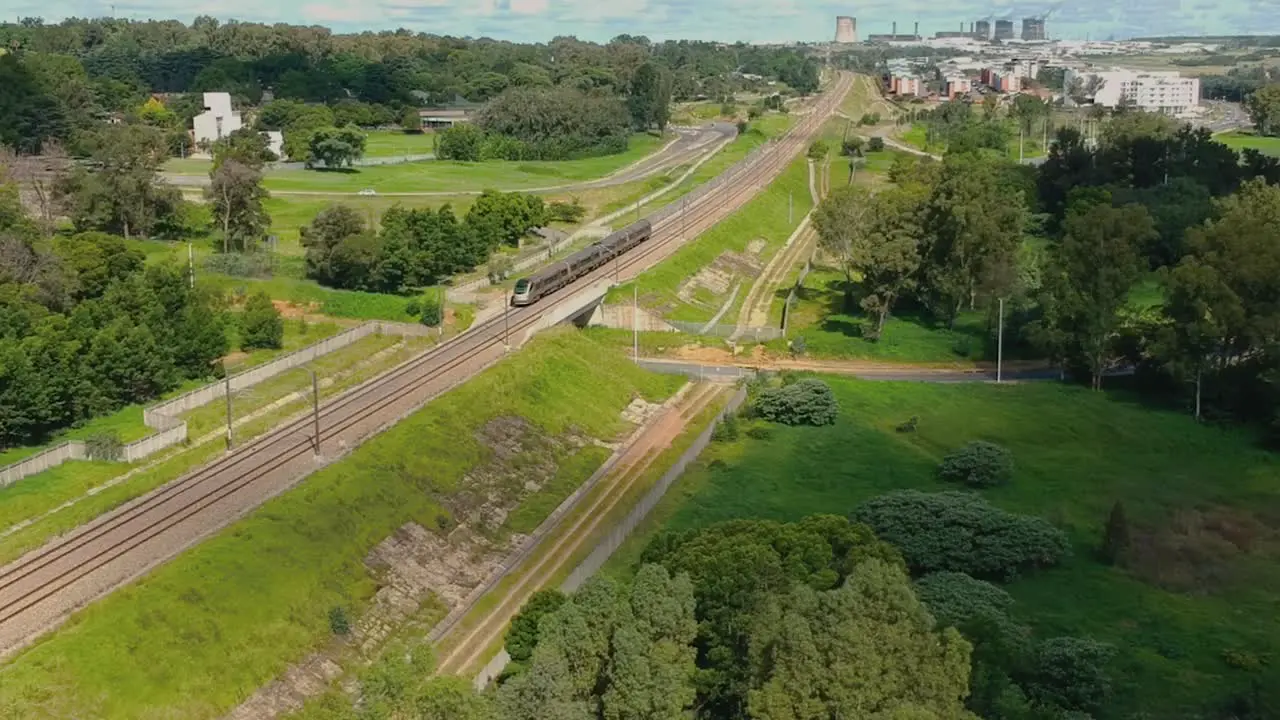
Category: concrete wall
<point>625,318</point>
<point>164,416</point>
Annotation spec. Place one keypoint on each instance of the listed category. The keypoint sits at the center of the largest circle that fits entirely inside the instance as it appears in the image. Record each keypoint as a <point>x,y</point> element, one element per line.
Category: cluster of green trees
<point>414,247</point>
<point>1066,244</point>
<point>67,77</point>
<point>1263,106</point>
<point>540,124</point>
<point>86,329</point>
<point>316,133</point>
<point>741,619</point>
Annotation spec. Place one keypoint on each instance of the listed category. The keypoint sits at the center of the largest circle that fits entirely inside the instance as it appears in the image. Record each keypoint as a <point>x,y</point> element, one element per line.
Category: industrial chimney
<point>895,29</point>
<point>917,32</point>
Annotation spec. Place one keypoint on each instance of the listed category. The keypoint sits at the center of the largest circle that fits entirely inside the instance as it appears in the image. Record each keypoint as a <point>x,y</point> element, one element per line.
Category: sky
<point>726,20</point>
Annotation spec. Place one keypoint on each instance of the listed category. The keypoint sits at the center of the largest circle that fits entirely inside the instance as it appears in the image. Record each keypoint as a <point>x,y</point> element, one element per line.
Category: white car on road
<point>368,191</point>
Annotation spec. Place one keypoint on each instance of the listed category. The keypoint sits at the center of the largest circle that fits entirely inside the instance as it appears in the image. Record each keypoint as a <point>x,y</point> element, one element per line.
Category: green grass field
<point>1241,140</point>
<point>1077,452</point>
<point>763,218</point>
<point>440,176</point>
<point>394,143</point>
<point>819,317</point>
<point>201,633</point>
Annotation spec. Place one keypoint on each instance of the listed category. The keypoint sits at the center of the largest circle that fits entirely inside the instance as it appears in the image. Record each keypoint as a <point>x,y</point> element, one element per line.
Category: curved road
<point>689,144</point>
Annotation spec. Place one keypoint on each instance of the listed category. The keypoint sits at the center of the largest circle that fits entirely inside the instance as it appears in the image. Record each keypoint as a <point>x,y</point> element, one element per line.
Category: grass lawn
<point>829,332</point>
<point>291,212</point>
<point>394,143</point>
<point>441,176</point>
<point>187,166</point>
<point>1240,140</point>
<point>336,303</point>
<point>1077,452</point>
<point>763,218</point>
<point>200,634</point>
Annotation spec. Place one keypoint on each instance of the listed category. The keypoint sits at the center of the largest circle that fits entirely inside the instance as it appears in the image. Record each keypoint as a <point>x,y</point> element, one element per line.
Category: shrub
<point>817,150</point>
<point>726,430</point>
<point>570,212</point>
<point>742,127</point>
<point>853,146</point>
<point>104,446</point>
<point>956,598</point>
<point>338,621</point>
<point>978,464</point>
<point>1115,538</point>
<point>431,309</point>
<point>753,112</point>
<point>961,532</point>
<point>805,402</point>
<point>760,432</point>
<point>875,144</point>
<point>413,308</point>
<point>910,425</point>
<point>261,325</point>
<point>1071,673</point>
<point>500,267</point>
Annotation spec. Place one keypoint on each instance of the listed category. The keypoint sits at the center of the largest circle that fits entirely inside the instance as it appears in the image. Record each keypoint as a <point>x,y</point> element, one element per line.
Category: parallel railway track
<point>40,589</point>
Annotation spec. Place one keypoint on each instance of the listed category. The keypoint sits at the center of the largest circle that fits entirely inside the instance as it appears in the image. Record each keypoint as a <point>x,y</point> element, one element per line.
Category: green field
<point>818,316</point>
<point>441,176</point>
<point>1241,140</point>
<point>763,218</point>
<point>394,143</point>
<point>1077,452</point>
<point>201,633</point>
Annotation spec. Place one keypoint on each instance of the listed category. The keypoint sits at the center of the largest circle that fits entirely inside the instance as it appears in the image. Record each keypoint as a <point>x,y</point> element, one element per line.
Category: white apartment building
<point>1153,91</point>
<point>217,121</point>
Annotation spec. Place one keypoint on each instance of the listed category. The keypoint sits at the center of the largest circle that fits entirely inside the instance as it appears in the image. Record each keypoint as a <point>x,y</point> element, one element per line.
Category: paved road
<point>689,144</point>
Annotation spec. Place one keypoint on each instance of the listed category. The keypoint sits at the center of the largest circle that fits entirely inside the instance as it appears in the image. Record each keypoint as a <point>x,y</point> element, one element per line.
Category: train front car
<point>523,292</point>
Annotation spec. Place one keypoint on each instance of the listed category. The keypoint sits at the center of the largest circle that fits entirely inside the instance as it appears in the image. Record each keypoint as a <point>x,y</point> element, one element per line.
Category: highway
<point>39,590</point>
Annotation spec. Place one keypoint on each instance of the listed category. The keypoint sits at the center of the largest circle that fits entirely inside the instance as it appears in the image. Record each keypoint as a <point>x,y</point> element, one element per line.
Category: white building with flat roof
<point>1162,91</point>
<point>217,121</point>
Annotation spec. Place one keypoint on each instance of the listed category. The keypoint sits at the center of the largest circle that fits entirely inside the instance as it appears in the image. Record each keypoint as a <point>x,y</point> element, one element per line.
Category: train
<point>553,277</point>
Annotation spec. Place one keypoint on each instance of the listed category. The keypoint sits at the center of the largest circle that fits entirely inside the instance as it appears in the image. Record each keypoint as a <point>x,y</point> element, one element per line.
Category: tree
<point>261,325</point>
<point>875,237</point>
<point>461,142</point>
<point>1071,673</point>
<point>1263,106</point>
<point>245,146</point>
<point>322,238</point>
<point>814,651</point>
<point>236,195</point>
<point>649,99</point>
<point>1115,537</point>
<point>955,599</point>
<point>522,636</point>
<point>335,147</point>
<point>411,120</point>
<point>503,218</point>
<point>1093,271</point>
<point>961,532</point>
<point>122,194</point>
<point>817,150</point>
<point>977,222</point>
<point>450,698</point>
<point>97,259</point>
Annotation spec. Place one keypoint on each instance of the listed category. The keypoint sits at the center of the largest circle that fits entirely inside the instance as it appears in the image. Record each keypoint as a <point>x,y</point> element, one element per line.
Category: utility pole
<point>506,325</point>
<point>315,407</point>
<point>228,392</point>
<point>635,322</point>
<point>1000,345</point>
<point>1021,155</point>
<point>191,265</point>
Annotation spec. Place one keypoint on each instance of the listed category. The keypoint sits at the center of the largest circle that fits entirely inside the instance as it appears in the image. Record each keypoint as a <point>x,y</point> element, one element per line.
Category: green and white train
<point>557,275</point>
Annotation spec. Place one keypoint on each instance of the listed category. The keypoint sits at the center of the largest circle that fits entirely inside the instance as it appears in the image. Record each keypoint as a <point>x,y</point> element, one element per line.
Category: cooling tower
<point>846,29</point>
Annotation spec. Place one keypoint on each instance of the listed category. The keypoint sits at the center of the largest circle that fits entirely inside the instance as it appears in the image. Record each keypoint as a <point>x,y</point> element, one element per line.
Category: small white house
<point>217,121</point>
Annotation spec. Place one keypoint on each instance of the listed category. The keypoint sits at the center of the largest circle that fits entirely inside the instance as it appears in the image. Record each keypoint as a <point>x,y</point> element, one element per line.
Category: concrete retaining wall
<point>165,416</point>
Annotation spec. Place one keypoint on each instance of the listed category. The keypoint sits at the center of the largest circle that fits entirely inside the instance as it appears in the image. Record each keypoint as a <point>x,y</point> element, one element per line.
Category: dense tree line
<point>414,247</point>
<point>540,124</point>
<point>86,329</point>
<point>742,619</point>
<point>66,77</point>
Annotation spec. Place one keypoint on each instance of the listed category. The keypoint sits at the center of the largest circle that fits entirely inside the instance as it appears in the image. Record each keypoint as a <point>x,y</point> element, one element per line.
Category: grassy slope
<point>1240,140</point>
<point>763,217</point>
<point>394,143</point>
<point>437,176</point>
<point>203,632</point>
<point>1077,452</point>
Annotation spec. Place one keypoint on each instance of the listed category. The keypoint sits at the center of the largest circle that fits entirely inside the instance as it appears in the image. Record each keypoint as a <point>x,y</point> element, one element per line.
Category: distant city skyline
<point>725,20</point>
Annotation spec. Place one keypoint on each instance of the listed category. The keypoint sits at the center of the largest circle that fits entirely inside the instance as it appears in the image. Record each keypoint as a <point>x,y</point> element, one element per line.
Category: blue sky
<point>729,20</point>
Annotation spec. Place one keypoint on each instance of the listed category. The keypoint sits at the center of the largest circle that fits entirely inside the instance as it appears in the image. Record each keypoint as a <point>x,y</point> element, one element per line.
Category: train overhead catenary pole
<point>315,406</point>
<point>228,391</point>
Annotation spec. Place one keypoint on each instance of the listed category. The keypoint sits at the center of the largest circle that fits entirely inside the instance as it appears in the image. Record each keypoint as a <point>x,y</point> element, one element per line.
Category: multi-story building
<point>907,85</point>
<point>1033,28</point>
<point>217,121</point>
<point>1150,90</point>
<point>1004,30</point>
<point>958,85</point>
<point>983,31</point>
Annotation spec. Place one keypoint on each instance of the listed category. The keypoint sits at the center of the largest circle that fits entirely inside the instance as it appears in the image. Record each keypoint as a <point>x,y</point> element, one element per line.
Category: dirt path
<point>760,358</point>
<point>560,547</point>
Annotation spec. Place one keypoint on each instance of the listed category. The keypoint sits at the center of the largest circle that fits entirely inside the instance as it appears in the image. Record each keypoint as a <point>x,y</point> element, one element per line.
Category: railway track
<point>39,590</point>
